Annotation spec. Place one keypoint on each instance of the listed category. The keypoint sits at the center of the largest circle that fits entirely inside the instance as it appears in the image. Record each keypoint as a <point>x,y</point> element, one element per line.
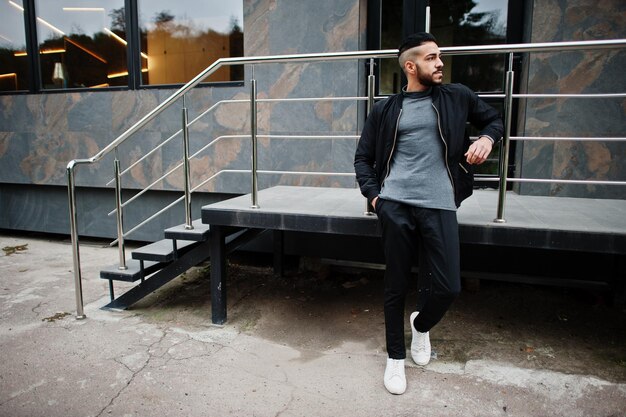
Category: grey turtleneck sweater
<point>418,175</point>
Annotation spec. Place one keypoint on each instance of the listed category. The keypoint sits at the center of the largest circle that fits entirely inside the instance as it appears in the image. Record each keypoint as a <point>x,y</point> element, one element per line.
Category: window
<point>81,43</point>
<point>13,57</point>
<point>453,23</point>
<point>180,39</point>
<point>481,22</point>
<point>390,38</point>
<point>78,44</point>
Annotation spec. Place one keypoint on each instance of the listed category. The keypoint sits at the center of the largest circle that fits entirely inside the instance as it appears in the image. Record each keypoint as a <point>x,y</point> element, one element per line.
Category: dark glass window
<point>390,38</point>
<point>82,44</point>
<point>453,23</point>
<point>473,22</point>
<point>13,57</point>
<point>180,39</point>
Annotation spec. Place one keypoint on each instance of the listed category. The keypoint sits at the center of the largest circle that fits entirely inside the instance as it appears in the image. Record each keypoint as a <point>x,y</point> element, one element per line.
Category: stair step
<point>132,273</point>
<point>163,250</point>
<point>199,233</point>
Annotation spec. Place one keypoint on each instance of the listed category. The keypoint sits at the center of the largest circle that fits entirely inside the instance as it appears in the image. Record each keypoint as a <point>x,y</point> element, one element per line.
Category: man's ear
<point>409,67</point>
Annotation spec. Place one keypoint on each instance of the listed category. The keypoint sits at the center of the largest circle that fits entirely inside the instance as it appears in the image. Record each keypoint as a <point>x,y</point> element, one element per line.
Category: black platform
<point>589,225</point>
<point>551,223</point>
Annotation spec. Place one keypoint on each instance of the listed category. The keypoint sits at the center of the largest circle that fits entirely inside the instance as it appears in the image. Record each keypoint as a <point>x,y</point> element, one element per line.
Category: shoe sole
<point>395,393</point>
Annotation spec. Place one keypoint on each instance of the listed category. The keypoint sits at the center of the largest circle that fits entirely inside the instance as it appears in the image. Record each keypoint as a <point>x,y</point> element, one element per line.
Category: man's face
<point>428,64</point>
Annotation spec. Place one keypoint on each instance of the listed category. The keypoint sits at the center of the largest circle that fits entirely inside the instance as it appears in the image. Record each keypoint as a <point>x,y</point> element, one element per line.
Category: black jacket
<point>455,105</point>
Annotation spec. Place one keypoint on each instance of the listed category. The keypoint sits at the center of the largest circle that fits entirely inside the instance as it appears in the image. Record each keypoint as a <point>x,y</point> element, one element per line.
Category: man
<point>413,164</point>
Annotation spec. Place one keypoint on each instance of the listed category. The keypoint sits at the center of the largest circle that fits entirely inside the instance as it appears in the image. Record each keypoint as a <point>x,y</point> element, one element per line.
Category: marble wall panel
<point>256,21</point>
<point>130,106</point>
<point>341,148</point>
<point>15,114</point>
<point>576,72</point>
<point>221,140</point>
<point>90,111</point>
<point>320,26</point>
<point>13,150</point>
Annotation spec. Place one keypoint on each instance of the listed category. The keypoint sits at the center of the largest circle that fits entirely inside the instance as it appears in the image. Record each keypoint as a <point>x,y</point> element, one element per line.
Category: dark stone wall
<point>575,72</point>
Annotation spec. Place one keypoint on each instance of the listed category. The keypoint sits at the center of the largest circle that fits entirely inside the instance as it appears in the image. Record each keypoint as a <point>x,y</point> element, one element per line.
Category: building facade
<point>51,114</point>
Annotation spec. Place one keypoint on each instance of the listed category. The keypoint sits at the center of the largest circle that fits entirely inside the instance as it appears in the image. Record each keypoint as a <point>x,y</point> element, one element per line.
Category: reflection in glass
<point>478,22</point>
<point>82,44</point>
<point>390,38</point>
<point>472,22</point>
<point>180,39</point>
<point>14,70</point>
<point>453,23</point>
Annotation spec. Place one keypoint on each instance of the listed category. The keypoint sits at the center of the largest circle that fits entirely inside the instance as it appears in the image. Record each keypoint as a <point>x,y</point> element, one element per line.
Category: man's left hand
<point>479,151</point>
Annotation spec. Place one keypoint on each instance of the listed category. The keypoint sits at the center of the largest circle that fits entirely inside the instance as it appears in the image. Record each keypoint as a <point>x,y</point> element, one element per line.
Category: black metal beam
<point>218,275</point>
<point>133,48</point>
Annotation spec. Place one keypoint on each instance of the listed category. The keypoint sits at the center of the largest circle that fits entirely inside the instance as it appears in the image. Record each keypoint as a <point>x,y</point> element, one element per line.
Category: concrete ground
<point>308,344</point>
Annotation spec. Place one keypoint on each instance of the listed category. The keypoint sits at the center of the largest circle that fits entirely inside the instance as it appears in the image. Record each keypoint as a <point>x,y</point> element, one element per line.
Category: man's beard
<point>429,81</point>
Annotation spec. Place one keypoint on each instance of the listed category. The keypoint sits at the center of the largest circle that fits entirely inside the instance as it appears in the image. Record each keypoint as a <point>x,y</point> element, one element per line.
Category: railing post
<point>253,130</point>
<point>119,213</point>
<point>187,185</point>
<point>504,150</point>
<point>80,313</point>
<point>371,89</point>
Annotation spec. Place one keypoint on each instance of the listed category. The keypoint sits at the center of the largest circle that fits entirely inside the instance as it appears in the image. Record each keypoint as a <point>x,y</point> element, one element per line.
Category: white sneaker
<point>420,345</point>
<point>395,380</point>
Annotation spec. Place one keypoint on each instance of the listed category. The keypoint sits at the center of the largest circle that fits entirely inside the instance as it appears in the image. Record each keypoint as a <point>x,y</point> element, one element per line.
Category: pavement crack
<point>287,405</point>
<point>36,307</point>
<point>134,373</point>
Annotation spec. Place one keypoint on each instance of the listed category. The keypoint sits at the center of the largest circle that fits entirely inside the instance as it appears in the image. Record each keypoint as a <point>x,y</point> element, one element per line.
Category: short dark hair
<point>414,40</point>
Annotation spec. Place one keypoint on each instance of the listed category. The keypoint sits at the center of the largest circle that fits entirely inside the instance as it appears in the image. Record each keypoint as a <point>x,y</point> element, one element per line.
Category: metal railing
<point>508,97</point>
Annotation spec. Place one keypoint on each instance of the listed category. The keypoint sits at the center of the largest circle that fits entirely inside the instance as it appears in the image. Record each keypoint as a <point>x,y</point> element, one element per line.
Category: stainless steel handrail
<point>356,98</point>
<point>231,171</point>
<point>342,56</point>
<point>549,181</point>
<point>335,56</point>
<point>573,95</point>
<point>504,154</point>
<point>560,181</point>
<point>166,141</point>
<point>569,139</point>
<point>207,111</point>
<point>205,147</point>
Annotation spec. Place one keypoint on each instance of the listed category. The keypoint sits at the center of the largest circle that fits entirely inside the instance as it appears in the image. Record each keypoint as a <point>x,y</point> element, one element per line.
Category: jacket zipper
<point>393,147</point>
<point>445,145</point>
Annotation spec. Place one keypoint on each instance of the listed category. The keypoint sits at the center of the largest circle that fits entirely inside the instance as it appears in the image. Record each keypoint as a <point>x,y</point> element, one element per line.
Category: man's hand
<point>479,151</point>
<point>374,200</point>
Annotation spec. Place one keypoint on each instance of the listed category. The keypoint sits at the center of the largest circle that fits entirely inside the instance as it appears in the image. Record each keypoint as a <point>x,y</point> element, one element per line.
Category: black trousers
<point>433,235</point>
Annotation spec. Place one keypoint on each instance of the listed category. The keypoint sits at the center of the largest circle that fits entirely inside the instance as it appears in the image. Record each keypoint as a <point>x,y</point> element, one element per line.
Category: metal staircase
<point>189,244</point>
<point>170,254</point>
<point>156,264</point>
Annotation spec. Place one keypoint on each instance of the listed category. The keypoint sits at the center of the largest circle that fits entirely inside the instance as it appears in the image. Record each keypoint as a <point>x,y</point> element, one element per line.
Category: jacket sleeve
<point>365,157</point>
<point>485,118</point>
